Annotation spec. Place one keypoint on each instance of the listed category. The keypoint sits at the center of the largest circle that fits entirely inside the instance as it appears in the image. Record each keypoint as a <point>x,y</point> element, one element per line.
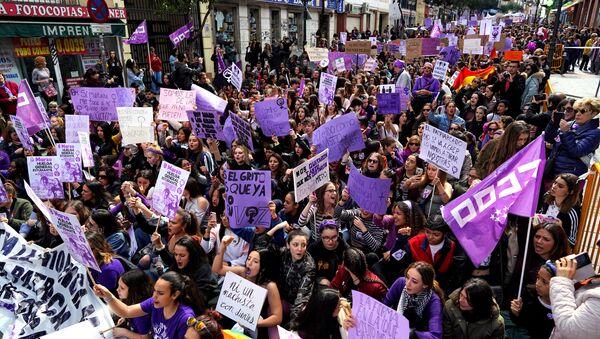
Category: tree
<point>511,7</point>
<point>178,6</point>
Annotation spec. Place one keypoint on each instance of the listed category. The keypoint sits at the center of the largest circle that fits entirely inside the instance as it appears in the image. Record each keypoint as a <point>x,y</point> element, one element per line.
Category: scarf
<point>418,302</point>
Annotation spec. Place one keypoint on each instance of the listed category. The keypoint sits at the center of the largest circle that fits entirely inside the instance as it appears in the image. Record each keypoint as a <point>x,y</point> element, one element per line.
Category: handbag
<point>50,91</point>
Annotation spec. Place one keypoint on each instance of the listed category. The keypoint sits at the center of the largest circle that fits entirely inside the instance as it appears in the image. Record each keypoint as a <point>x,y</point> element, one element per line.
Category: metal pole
<point>554,34</point>
<point>304,15</point>
<point>597,89</point>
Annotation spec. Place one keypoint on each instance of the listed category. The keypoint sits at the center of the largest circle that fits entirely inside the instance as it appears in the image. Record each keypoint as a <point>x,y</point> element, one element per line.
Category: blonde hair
<point>592,104</point>
<point>39,61</point>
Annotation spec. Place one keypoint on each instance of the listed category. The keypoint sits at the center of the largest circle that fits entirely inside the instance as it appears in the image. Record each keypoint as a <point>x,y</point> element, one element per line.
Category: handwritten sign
<point>44,177</point>
<point>440,69</point>
<point>136,124</point>
<point>241,300</point>
<point>443,150</point>
<point>70,156</point>
<point>311,175</point>
<point>169,188</point>
<point>248,194</point>
<point>388,103</point>
<point>21,130</point>
<point>413,49</point>
<point>358,47</point>
<point>205,124</point>
<point>242,130</point>
<point>327,86</point>
<point>100,104</point>
<point>272,115</point>
<point>369,193</point>
<point>86,149</point>
<point>472,46</point>
<point>316,54</point>
<point>339,135</point>
<point>174,104</point>
<point>376,320</point>
<point>75,124</point>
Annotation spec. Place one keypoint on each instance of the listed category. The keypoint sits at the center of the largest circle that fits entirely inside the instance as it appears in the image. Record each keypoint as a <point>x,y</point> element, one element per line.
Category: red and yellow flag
<point>466,76</point>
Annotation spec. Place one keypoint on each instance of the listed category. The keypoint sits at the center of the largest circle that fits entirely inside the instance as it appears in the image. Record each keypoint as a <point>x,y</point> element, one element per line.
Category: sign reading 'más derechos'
<point>53,11</point>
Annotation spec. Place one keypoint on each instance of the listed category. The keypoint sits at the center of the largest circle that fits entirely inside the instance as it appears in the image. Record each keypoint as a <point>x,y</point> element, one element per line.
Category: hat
<point>399,63</point>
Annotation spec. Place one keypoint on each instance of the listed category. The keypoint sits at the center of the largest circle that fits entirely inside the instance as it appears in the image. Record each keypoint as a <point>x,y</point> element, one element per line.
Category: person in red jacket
<point>353,274</point>
<point>157,69</point>
<point>8,96</point>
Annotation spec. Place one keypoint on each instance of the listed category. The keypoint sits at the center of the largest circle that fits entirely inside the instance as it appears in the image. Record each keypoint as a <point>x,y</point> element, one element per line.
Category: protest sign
<point>440,69</point>
<point>85,329</point>
<point>70,231</point>
<point>241,300</point>
<point>205,124</point>
<point>86,149</point>
<point>358,47</point>
<point>453,78</point>
<point>339,135</point>
<point>70,157</point>
<point>100,104</point>
<point>413,49</point>
<point>316,54</point>
<point>136,124</point>
<point>43,290</point>
<point>388,103</point>
<point>285,334</point>
<point>311,175</point>
<point>340,65</point>
<point>430,46</point>
<point>373,40</point>
<point>75,124</point>
<point>370,65</point>
<point>21,130</point>
<point>208,102</point>
<point>496,33</point>
<point>168,190</point>
<point>513,55</point>
<point>174,104</point>
<point>485,27</point>
<point>387,88</point>
<point>376,320</point>
<point>272,115</point>
<point>369,193</point>
<point>443,150</point>
<point>242,130</point>
<point>248,194</point>
<point>472,46</point>
<point>404,98</point>
<point>3,194</point>
<point>44,177</point>
<point>349,59</point>
<point>327,88</point>
<point>36,200</point>
<point>343,37</point>
<point>233,75</point>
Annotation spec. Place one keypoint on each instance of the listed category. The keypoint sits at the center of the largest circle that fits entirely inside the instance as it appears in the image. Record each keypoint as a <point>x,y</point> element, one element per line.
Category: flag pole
<point>432,193</point>
<point>149,61</point>
<point>524,258</point>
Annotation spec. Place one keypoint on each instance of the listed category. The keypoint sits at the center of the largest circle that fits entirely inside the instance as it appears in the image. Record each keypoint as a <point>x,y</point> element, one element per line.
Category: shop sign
<point>92,47</point>
<point>30,47</point>
<point>74,82</point>
<point>14,29</point>
<point>53,11</point>
<point>8,63</point>
<point>311,3</point>
<point>70,45</point>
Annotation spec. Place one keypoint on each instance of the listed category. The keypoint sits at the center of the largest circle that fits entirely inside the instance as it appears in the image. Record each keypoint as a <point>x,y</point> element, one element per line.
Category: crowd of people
<point>320,249</point>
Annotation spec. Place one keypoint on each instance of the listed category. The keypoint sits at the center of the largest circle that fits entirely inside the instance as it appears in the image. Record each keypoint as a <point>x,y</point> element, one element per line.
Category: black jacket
<point>182,76</point>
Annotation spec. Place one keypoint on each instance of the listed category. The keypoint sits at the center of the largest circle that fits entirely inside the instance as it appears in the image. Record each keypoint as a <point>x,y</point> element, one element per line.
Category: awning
<point>568,5</point>
<point>24,29</point>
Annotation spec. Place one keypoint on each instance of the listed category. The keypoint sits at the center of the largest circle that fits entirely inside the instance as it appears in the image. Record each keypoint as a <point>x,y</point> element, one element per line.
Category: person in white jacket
<point>576,311</point>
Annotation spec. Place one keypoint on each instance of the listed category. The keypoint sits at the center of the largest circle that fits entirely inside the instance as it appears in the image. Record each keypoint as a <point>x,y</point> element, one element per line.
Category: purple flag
<point>450,54</point>
<point>139,36</point>
<point>248,196</point>
<point>168,190</point>
<point>479,216</point>
<point>220,63</point>
<point>28,110</point>
<point>272,115</point>
<point>3,195</point>
<point>184,32</point>
<point>340,134</point>
<point>369,193</point>
<point>436,31</point>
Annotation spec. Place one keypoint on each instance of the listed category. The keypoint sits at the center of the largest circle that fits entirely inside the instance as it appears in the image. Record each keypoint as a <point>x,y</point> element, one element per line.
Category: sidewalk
<point>578,84</point>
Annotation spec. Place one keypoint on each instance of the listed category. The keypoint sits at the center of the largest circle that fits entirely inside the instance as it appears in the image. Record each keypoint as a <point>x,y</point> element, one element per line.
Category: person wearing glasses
<point>328,252</point>
<point>573,143</point>
<point>510,87</point>
<point>532,84</point>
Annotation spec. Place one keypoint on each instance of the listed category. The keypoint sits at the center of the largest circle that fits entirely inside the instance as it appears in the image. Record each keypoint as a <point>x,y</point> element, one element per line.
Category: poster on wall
<point>8,63</point>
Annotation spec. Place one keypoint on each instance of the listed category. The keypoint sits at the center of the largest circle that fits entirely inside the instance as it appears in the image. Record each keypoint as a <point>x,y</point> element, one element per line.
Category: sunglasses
<point>102,177</point>
<point>492,130</point>
<point>413,144</point>
<point>426,110</point>
<point>582,111</point>
<point>195,323</point>
<point>373,161</point>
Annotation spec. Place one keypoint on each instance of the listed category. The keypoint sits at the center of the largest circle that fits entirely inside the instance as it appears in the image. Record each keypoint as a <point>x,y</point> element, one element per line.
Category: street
<point>578,85</point>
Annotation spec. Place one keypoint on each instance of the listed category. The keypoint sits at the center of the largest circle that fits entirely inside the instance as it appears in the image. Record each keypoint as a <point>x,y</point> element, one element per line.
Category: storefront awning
<point>11,29</point>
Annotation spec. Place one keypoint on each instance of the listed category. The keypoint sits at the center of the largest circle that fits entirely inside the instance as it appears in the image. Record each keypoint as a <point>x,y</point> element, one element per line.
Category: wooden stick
<point>108,329</point>
<point>90,275</point>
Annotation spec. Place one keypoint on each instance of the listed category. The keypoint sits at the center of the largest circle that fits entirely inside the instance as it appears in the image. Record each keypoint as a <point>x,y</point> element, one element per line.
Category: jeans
<point>156,80</point>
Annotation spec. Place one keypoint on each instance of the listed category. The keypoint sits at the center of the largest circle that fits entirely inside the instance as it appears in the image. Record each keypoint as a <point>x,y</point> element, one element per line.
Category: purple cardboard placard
<point>44,177</point>
<point>388,323</point>
<point>100,104</point>
<point>242,130</point>
<point>388,103</point>
<point>248,196</point>
<point>75,124</point>
<point>369,193</point>
<point>273,117</point>
<point>340,134</point>
<point>168,190</point>
<point>70,157</point>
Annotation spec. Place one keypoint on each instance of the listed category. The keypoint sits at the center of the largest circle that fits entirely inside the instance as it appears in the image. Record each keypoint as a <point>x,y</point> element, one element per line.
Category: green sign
<point>27,30</point>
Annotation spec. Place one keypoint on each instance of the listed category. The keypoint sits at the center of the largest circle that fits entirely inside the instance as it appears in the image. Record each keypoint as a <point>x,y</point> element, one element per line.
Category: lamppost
<point>304,16</point>
<point>412,7</point>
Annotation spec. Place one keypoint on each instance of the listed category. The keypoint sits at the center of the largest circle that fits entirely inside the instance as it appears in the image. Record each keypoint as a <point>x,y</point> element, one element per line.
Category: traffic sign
<point>98,11</point>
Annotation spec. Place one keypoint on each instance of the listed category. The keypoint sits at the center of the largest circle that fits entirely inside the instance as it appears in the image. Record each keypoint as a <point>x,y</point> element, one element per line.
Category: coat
<point>6,105</point>
<point>532,87</point>
<point>455,325</point>
<point>571,146</point>
<point>371,286</point>
<point>576,312</point>
<point>20,211</point>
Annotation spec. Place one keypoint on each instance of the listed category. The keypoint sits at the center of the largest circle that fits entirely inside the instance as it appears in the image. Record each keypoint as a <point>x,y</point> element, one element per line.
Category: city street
<point>578,84</point>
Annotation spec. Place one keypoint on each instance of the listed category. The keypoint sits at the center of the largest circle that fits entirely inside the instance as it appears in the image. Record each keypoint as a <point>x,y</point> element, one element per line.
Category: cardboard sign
<point>443,150</point>
<point>513,55</point>
<point>100,104</point>
<point>175,103</point>
<point>168,190</point>
<point>388,103</point>
<point>75,124</point>
<point>272,115</point>
<point>370,194</point>
<point>44,177</point>
<point>339,135</point>
<point>375,320</point>
<point>136,124</point>
<point>413,49</point>
<point>472,46</point>
<point>440,69</point>
<point>358,47</point>
<point>241,300</point>
<point>248,194</point>
<point>205,124</point>
<point>316,54</point>
<point>70,155</point>
<point>311,175</point>
<point>327,85</point>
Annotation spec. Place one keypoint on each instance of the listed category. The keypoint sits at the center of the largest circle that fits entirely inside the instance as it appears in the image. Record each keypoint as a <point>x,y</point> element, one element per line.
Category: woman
<point>154,156</point>
<point>423,117</point>
<point>109,225</point>
<point>134,287</point>
<point>327,253</point>
<point>321,206</point>
<point>173,302</point>
<point>532,84</point>
<point>103,142</point>
<point>353,274</point>
<point>390,151</point>
<point>280,174</point>
<point>319,319</point>
<point>41,77</point>
<point>412,147</point>
<point>475,126</point>
<point>194,202</point>
<point>135,75</point>
<point>291,210</point>
<point>409,173</point>
<point>467,110</point>
<point>435,190</point>
<point>241,158</point>
<point>237,251</point>
<point>426,87</point>
<point>110,267</point>
<point>387,128</point>
<point>183,224</point>
<point>562,202</point>
<point>373,165</point>
<point>472,312</point>
<point>419,298</point>
<point>259,269</point>
<point>94,196</point>
<point>496,152</point>
<point>199,155</point>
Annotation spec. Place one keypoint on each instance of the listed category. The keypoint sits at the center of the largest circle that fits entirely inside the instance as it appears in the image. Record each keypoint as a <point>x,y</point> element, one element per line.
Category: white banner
<point>241,300</point>
<point>443,150</point>
<point>311,175</point>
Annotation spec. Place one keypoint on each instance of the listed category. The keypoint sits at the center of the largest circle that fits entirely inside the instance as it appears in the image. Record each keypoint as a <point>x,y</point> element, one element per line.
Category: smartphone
<point>419,171</point>
<point>585,269</point>
<point>558,116</point>
<point>539,97</point>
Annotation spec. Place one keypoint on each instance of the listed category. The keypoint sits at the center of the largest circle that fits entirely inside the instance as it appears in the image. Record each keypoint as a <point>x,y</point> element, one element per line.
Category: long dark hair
<point>573,198</point>
<point>196,254</point>
<point>480,297</point>
<point>139,284</point>
<point>507,145</point>
<point>413,215</point>
<point>355,261</point>
<point>269,265</point>
<point>188,292</point>
<point>99,192</point>
<point>106,221</point>
<point>316,319</point>
<point>561,246</point>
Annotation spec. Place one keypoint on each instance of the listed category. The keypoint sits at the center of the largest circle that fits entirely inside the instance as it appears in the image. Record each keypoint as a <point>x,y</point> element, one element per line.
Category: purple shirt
<point>109,275</point>
<point>429,83</point>
<point>172,328</point>
<point>141,325</point>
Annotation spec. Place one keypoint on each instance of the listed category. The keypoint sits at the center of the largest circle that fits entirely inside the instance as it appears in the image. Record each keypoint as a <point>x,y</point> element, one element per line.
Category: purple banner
<point>340,134</point>
<point>3,194</point>
<point>182,33</point>
<point>450,54</point>
<point>404,97</point>
<point>478,217</point>
<point>206,124</point>
<point>242,130</point>
<point>388,323</point>
<point>44,177</point>
<point>22,133</point>
<point>139,36</point>
<point>369,193</point>
<point>272,116</point>
<point>327,85</point>
<point>248,196</point>
<point>75,124</point>
<point>100,104</point>
<point>168,190</point>
<point>34,118</point>
<point>70,157</point>
<point>429,46</point>
<point>388,103</point>
<point>428,23</point>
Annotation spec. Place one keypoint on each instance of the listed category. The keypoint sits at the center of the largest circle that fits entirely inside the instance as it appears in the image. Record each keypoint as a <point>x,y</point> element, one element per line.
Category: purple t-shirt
<point>173,328</point>
<point>109,275</point>
<point>141,325</point>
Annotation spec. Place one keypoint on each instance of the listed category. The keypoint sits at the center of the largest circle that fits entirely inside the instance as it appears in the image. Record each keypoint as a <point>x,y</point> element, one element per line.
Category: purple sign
<point>228,131</point>
<point>206,101</point>
<point>139,36</point>
<point>248,196</point>
<point>369,193</point>
<point>70,157</point>
<point>205,124</point>
<point>242,130</point>
<point>404,97</point>
<point>168,190</point>
<point>450,54</point>
<point>388,103</point>
<point>70,231</point>
<point>3,194</point>
<point>301,88</point>
<point>340,134</point>
<point>387,324</point>
<point>332,56</point>
<point>327,86</point>
<point>272,115</point>
<point>393,48</point>
<point>75,124</point>
<point>86,149</point>
<point>22,133</point>
<point>34,118</point>
<point>184,32</point>
<point>428,23</point>
<point>478,217</point>
<point>100,104</point>
<point>429,46</point>
<point>44,177</point>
